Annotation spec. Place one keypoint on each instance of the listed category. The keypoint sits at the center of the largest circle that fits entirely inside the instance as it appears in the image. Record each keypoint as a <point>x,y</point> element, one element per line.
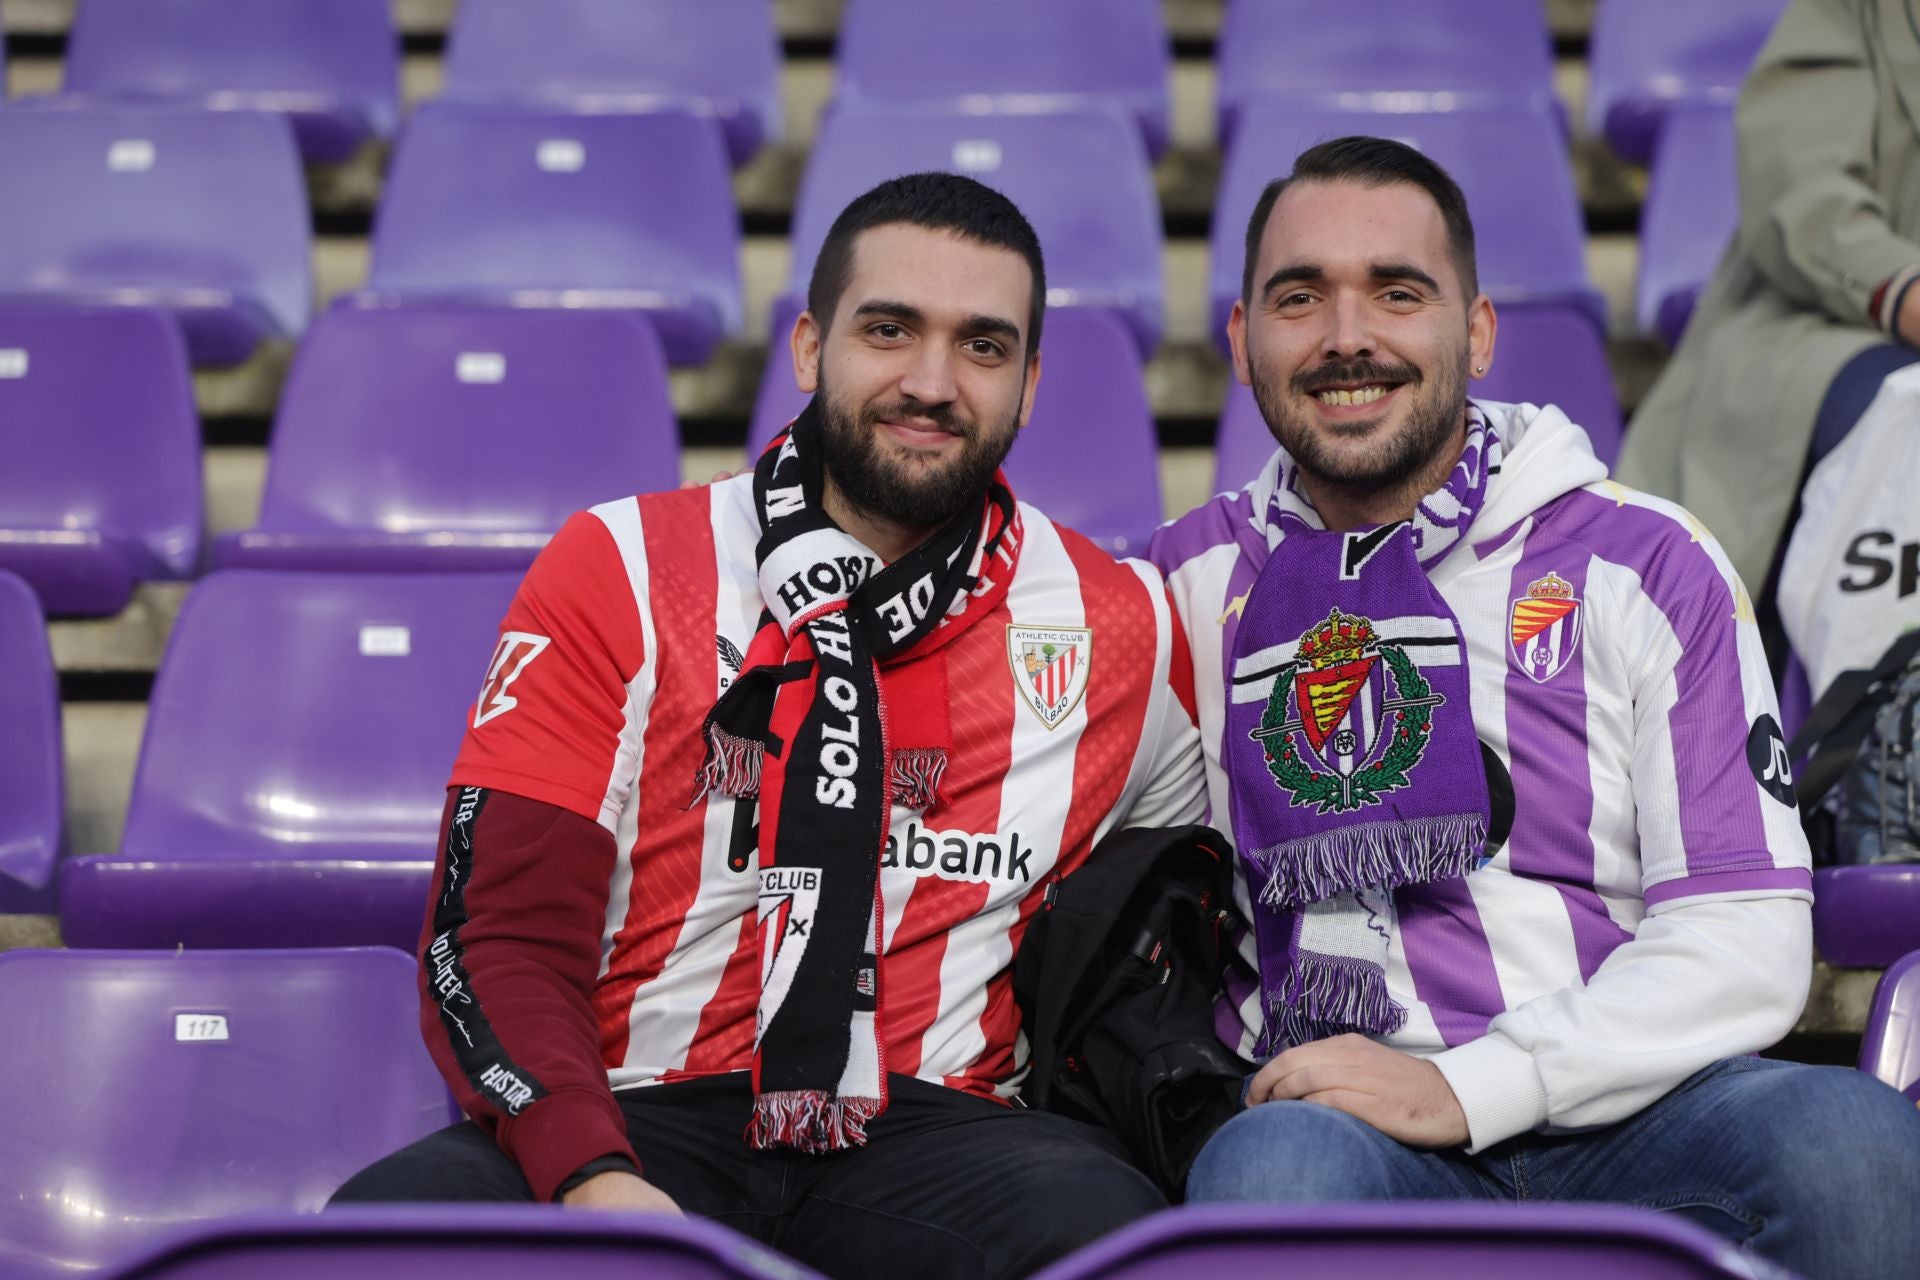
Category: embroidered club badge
<point>1545,626</point>
<point>1348,718</point>
<point>1050,667</point>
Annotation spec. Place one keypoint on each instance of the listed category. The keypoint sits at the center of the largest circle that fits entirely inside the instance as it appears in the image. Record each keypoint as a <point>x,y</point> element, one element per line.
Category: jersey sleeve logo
<point>516,650</point>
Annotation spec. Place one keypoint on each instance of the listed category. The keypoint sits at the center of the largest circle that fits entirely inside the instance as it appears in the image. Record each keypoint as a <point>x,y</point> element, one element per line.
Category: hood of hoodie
<point>1547,457</point>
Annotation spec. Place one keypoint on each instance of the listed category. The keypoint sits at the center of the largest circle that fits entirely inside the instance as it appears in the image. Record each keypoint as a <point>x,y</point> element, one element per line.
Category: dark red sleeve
<point>509,955</point>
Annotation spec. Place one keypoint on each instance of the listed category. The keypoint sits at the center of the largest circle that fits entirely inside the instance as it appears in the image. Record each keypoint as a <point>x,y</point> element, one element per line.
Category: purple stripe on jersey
<point>1552,840</point>
<point>1694,885</point>
<point>1447,955</point>
<point>1212,524</point>
<point>1237,985</point>
<point>1720,821</point>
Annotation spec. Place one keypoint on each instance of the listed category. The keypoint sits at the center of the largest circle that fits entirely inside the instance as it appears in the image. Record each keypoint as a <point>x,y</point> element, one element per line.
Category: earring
<point>1479,368</point>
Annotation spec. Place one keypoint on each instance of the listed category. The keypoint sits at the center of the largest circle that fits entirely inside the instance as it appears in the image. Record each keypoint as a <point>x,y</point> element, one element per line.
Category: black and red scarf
<point>809,731</point>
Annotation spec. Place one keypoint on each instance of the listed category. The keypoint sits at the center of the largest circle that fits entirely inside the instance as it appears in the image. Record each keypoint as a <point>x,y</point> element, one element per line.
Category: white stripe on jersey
<point>620,809</point>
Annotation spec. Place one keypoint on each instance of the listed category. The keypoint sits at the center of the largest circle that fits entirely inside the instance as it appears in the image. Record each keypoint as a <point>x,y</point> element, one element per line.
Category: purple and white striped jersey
<point>1616,671</point>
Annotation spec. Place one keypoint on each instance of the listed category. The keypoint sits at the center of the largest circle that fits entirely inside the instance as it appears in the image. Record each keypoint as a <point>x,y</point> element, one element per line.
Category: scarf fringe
<point>810,1120</point>
<point>916,776</point>
<point>732,767</point>
<point>1322,995</point>
<point>1385,854</point>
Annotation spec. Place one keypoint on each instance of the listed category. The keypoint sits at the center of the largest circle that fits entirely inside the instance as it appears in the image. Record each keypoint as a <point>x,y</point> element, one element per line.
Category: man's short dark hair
<point>1371,162</point>
<point>938,202</point>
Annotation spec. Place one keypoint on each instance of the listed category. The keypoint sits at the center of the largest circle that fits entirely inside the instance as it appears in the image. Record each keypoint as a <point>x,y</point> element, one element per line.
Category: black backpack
<point>1116,980</point>
<point>1859,790</point>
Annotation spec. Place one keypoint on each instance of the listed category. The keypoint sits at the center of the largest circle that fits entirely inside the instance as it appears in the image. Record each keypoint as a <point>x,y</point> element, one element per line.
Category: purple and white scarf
<point>1350,745</point>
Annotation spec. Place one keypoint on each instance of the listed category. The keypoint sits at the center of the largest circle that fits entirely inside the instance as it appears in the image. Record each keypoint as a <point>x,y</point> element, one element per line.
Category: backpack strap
<point>1840,720</point>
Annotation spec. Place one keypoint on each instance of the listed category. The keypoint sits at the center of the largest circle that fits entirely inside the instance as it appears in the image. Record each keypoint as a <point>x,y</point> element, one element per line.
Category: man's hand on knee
<point>1402,1096</point>
<point>619,1191</point>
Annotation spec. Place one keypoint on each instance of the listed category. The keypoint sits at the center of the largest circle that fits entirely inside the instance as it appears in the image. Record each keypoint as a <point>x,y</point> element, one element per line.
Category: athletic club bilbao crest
<point>1545,627</point>
<point>1050,668</point>
<point>789,899</point>
<point>1348,718</point>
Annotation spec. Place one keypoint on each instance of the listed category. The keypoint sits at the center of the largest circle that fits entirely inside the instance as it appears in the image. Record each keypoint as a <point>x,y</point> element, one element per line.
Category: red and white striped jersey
<point>1067,723</point>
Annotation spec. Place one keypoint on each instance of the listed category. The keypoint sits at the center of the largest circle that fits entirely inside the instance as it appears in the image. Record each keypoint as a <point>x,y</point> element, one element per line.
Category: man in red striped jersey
<point>764,783</point>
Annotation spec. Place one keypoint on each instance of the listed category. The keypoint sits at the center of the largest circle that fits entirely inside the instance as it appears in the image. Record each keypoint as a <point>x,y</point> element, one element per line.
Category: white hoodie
<point>1647,915</point>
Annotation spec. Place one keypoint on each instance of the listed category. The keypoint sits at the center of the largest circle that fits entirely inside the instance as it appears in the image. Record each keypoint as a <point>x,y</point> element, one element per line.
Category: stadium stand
<point>157,1090</point>
<point>1511,165</point>
<point>1649,55</point>
<point>1890,1050</point>
<point>331,66</point>
<point>196,212</point>
<point>1087,456</point>
<point>1408,56</point>
<point>474,1242</point>
<point>1571,1242</point>
<point>1010,55</point>
<point>1867,915</point>
<point>1546,355</point>
<point>32,795</point>
<point>295,761</point>
<point>102,488</point>
<point>720,58</point>
<point>475,198</point>
<point>1692,211</point>
<point>403,443</point>
<point>1080,176</point>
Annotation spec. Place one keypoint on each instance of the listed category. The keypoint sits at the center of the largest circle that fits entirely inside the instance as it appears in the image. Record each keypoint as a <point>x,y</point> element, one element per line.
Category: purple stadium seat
<point>1543,355</point>
<point>1080,176</point>
<point>1512,166</point>
<point>32,808</point>
<point>148,1092</point>
<point>332,66</point>
<point>1391,1241</point>
<point>202,213</point>
<point>101,488</point>
<point>1089,457</point>
<point>719,58</point>
<point>462,1242</point>
<point>1866,916</point>
<point>1692,211</point>
<point>504,207</point>
<point>1649,55</point>
<point>296,755</point>
<point>419,439</point>
<point>1392,56</point>
<point>1010,55</point>
<point>1891,1048</point>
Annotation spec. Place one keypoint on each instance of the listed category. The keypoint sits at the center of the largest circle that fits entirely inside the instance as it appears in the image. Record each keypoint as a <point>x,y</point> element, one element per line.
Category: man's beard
<point>1433,422</point>
<point>920,496</point>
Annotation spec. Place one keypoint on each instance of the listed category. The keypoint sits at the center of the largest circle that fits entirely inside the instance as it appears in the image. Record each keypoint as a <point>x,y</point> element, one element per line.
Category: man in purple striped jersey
<point>1522,876</point>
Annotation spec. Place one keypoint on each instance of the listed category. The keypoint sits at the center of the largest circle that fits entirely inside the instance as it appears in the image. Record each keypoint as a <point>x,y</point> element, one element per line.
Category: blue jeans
<point>1817,1168</point>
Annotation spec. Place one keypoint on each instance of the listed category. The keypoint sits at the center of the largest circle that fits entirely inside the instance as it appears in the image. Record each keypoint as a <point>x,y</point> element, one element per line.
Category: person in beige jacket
<point>1814,303</point>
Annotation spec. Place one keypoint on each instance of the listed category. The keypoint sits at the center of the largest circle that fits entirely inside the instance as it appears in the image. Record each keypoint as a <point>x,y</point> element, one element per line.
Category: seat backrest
<point>189,49</point>
<point>311,715</point>
<point>1512,166</point>
<point>1402,55</point>
<point>1484,1240</point>
<point>475,1242</point>
<point>470,420</point>
<point>1691,213</point>
<point>1647,55</point>
<point>1014,53</point>
<point>151,1090</point>
<point>120,202</point>
<point>32,804</point>
<point>100,432</point>
<point>1081,178</point>
<point>1890,1050</point>
<point>719,57</point>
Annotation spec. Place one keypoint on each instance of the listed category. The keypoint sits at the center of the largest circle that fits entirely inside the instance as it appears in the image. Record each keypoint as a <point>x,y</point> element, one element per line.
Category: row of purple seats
<point>32,793</point>
<point>1650,56</point>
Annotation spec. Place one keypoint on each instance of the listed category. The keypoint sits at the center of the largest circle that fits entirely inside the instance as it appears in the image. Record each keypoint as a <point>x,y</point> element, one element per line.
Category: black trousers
<point>947,1185</point>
